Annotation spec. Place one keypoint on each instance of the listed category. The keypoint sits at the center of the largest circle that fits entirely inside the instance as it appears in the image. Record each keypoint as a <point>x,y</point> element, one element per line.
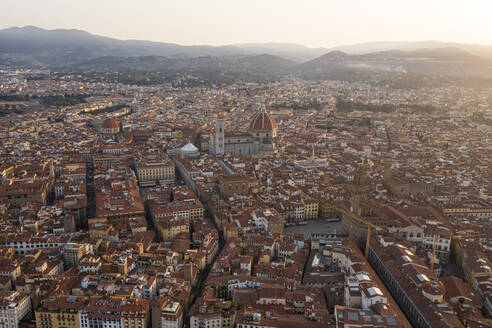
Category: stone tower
<point>358,188</point>
<point>219,137</point>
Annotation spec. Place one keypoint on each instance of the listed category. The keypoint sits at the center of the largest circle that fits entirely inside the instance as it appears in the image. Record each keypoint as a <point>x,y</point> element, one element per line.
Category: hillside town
<point>291,203</point>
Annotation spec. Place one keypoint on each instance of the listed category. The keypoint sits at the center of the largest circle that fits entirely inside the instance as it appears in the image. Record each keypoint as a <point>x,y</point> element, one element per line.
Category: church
<point>259,139</point>
<point>110,130</point>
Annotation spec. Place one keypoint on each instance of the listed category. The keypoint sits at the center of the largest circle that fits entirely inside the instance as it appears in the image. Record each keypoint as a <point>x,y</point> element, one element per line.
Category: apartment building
<point>93,311</point>
<point>14,306</point>
<point>152,172</point>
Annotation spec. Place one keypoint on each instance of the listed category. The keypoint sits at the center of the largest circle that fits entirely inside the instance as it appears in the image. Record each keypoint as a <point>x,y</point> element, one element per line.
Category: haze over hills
<point>399,60</point>
<point>264,65</point>
<point>33,47</point>
<point>404,68</point>
<point>65,47</point>
<point>292,51</point>
<point>369,47</point>
<point>70,46</point>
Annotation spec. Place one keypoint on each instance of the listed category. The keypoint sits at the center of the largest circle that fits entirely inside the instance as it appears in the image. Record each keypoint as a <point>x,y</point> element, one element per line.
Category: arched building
<point>260,137</point>
<point>109,129</point>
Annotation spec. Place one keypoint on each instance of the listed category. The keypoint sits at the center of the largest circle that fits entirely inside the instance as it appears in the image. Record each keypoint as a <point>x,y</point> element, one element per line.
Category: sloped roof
<point>189,148</point>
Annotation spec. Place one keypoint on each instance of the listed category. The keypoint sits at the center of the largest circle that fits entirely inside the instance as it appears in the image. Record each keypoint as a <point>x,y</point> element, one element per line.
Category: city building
<point>93,311</point>
<point>110,129</point>
<point>260,137</point>
<point>153,172</point>
<point>72,254</point>
<point>166,313</point>
<point>14,306</point>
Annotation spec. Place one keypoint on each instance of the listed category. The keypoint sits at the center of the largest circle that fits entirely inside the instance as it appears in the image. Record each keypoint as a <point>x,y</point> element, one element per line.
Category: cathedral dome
<point>110,123</point>
<point>262,122</point>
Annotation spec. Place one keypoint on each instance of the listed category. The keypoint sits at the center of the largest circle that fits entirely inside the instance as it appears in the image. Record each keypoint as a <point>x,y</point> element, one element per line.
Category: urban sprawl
<point>292,203</point>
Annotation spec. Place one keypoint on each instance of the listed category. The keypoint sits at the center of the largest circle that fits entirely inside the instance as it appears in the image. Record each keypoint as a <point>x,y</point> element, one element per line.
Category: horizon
<point>189,164</point>
<point>253,42</point>
<point>220,23</point>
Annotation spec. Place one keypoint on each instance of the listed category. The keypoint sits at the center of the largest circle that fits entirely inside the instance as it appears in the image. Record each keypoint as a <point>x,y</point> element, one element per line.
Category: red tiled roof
<point>262,121</point>
<point>110,123</point>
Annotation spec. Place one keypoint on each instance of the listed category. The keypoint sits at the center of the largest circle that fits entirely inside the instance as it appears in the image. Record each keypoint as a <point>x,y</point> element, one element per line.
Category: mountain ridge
<point>73,50</point>
<point>18,40</point>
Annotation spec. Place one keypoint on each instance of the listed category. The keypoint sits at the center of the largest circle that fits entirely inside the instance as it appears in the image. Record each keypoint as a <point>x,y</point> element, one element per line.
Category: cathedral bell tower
<point>219,137</point>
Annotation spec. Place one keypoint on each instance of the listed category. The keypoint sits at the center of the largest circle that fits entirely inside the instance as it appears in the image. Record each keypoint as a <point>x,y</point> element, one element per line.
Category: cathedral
<point>110,130</point>
<point>260,137</point>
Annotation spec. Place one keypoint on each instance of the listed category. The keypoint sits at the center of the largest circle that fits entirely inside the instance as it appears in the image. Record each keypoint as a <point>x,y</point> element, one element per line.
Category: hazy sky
<point>310,22</point>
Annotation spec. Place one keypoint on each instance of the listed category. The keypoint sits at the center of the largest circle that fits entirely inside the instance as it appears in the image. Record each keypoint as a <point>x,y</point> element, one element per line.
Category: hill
<point>259,64</point>
<point>294,52</point>
<point>403,63</point>
<point>371,47</point>
<point>47,48</point>
<point>397,64</point>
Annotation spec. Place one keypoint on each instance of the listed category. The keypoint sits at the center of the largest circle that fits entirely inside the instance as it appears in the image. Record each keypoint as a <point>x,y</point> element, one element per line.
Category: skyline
<point>233,164</point>
<point>221,23</point>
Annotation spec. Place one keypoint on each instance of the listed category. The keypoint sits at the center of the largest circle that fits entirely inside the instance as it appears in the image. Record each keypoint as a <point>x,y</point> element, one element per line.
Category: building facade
<point>260,137</point>
<point>150,173</point>
<point>14,306</point>
<point>93,312</point>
